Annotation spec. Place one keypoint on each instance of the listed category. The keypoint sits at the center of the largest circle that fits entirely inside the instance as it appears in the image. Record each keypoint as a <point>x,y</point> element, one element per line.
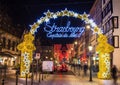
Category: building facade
<point>46,52</point>
<point>9,55</point>
<point>109,23</point>
<point>95,14</point>
<point>9,39</point>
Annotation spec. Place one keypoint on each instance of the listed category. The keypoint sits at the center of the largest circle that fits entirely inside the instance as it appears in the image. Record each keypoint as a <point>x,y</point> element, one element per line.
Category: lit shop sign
<point>53,31</point>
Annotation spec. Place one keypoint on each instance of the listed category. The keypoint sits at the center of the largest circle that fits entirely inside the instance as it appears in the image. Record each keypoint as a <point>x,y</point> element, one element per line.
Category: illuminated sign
<point>53,31</point>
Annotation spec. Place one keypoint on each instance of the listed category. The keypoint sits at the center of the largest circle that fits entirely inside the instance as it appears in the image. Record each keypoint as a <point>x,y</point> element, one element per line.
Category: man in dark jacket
<point>114,74</point>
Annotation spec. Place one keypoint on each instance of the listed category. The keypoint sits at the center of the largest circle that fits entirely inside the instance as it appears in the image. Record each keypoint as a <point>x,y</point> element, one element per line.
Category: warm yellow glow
<point>104,63</point>
<point>26,48</point>
<point>71,48</point>
<point>76,42</point>
<point>104,50</point>
<point>46,57</point>
<point>87,26</point>
<point>51,58</point>
<point>90,48</point>
<point>96,29</point>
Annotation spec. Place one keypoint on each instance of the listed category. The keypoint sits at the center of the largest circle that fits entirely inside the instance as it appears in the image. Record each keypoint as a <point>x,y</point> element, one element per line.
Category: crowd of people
<point>95,68</point>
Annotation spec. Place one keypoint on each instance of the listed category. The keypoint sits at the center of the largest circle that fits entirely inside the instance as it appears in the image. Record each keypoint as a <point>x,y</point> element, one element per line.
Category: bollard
<point>26,78</point>
<point>32,78</point>
<point>42,76</point>
<point>39,76</point>
<point>16,77</point>
<point>5,69</point>
<point>0,73</point>
<point>32,75</point>
<point>2,81</point>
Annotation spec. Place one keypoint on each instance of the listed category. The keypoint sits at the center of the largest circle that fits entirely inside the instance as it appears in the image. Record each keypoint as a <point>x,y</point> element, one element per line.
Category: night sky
<point>26,12</point>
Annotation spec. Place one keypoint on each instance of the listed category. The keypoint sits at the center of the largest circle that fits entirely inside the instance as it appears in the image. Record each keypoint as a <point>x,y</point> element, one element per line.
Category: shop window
<point>116,41</point>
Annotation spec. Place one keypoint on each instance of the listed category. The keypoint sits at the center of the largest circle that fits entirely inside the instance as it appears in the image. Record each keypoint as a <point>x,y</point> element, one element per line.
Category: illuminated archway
<point>104,49</point>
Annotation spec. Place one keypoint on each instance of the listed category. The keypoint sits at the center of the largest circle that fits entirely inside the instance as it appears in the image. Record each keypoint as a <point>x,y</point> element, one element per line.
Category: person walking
<point>85,68</point>
<point>114,74</point>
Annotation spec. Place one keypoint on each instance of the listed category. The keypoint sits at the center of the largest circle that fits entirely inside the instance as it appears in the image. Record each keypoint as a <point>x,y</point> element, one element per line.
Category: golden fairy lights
<point>26,48</point>
<point>50,15</point>
<point>104,49</point>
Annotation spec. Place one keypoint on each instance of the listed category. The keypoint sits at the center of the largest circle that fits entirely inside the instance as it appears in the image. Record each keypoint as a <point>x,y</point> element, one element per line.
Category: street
<point>57,78</point>
<point>67,80</point>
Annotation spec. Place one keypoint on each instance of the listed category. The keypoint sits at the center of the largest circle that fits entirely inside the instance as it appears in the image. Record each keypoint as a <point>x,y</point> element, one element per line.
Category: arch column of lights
<point>104,49</point>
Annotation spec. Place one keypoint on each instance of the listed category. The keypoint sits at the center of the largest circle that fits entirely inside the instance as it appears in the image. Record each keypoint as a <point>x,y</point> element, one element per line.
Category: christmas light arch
<point>104,49</point>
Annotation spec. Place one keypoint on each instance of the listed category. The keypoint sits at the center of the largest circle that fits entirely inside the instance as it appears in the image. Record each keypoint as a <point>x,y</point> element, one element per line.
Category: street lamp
<point>75,43</point>
<point>90,49</point>
<point>87,26</point>
<point>76,53</point>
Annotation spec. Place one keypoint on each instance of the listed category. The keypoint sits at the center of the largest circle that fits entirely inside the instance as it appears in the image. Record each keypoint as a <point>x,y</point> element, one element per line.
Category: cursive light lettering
<point>63,32</point>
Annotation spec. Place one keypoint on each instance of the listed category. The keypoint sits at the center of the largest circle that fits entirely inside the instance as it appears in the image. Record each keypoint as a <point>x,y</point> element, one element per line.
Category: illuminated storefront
<point>62,52</point>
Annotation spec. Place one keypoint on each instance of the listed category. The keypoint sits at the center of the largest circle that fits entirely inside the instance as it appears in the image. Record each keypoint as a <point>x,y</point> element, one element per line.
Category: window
<point>115,21</point>
<point>110,40</point>
<point>103,1</point>
<point>116,41</point>
<point>50,51</point>
<point>9,44</point>
<point>81,48</point>
<point>111,23</point>
<point>46,51</point>
<point>107,26</point>
<point>107,9</point>
<point>103,29</point>
<point>4,42</point>
<point>16,46</point>
<point>13,45</point>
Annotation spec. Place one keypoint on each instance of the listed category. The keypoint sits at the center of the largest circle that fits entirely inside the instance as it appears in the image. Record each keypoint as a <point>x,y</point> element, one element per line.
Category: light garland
<point>50,15</point>
<point>26,47</point>
<point>104,50</point>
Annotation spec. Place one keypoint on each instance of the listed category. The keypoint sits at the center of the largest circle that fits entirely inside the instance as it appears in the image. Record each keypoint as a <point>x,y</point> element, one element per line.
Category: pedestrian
<point>114,74</point>
<point>85,68</point>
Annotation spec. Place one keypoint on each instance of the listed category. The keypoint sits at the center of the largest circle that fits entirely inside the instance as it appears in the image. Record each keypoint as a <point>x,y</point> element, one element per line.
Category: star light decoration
<point>106,73</point>
<point>50,15</point>
<point>26,62</point>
